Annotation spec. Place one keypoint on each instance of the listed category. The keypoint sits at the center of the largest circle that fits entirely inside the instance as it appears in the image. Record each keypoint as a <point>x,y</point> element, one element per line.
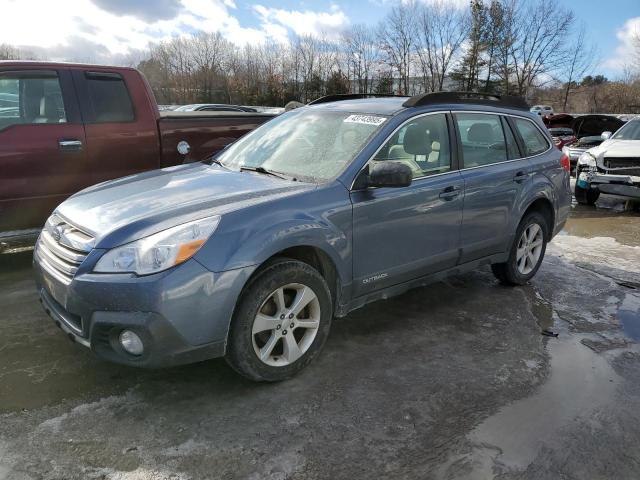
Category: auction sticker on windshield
<point>366,119</point>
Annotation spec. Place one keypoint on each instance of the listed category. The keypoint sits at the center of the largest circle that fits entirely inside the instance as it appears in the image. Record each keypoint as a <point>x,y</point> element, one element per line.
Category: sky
<point>114,31</point>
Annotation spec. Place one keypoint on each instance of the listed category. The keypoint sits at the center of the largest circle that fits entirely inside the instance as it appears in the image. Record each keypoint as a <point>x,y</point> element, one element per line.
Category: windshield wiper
<point>266,172</point>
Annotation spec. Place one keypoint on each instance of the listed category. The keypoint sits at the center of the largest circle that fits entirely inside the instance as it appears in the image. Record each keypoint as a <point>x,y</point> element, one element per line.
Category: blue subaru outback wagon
<point>345,201</point>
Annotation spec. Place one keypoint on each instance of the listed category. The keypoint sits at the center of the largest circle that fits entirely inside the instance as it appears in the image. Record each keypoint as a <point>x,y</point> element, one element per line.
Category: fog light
<point>131,342</point>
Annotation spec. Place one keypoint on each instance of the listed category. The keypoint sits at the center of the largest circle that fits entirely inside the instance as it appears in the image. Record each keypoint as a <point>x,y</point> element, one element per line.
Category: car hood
<point>120,211</point>
<point>617,148</point>
<point>589,125</point>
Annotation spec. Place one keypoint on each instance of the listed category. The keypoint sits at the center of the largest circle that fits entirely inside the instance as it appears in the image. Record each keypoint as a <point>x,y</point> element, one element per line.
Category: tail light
<point>565,163</point>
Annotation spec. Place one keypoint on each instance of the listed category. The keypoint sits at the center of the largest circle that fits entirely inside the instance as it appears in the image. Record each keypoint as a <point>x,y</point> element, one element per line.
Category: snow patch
<point>596,250</point>
<point>137,474</point>
<point>55,424</point>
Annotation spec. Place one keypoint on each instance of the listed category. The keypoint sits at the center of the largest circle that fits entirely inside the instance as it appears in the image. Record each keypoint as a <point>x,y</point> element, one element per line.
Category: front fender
<point>299,233</point>
<point>319,218</point>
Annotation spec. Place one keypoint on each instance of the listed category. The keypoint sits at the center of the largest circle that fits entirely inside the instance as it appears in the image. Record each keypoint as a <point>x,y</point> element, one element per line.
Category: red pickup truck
<point>64,127</point>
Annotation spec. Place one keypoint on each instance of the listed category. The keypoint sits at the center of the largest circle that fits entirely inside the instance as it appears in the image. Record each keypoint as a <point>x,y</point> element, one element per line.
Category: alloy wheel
<point>529,249</point>
<point>286,325</point>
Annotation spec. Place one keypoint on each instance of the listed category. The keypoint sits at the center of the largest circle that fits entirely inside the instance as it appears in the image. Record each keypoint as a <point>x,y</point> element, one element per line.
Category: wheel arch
<point>544,206</point>
<point>313,256</point>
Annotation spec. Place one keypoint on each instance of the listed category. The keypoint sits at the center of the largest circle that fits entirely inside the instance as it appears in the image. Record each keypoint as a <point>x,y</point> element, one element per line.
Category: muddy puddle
<point>629,315</point>
<point>580,382</point>
<point>619,221</point>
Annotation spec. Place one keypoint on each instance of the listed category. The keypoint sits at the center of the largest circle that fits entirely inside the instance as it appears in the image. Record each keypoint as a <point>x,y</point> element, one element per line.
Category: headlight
<point>159,251</point>
<point>587,159</point>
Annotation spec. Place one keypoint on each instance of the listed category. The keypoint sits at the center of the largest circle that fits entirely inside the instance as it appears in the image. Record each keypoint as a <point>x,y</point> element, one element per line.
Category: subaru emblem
<point>57,233</point>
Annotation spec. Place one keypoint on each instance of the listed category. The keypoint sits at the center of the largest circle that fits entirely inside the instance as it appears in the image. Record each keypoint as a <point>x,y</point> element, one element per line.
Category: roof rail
<point>509,101</point>
<point>350,96</point>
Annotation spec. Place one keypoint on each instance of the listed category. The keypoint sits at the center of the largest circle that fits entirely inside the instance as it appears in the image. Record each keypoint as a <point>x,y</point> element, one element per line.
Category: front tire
<point>281,322</point>
<point>527,251</point>
<point>585,196</point>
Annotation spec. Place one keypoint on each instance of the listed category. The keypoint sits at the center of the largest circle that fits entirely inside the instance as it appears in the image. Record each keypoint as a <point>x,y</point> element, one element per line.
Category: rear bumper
<point>182,315</point>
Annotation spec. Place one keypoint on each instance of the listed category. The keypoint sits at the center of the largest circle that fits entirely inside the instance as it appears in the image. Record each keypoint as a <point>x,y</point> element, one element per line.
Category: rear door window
<point>30,98</point>
<point>482,139</point>
<point>108,98</point>
<point>534,141</point>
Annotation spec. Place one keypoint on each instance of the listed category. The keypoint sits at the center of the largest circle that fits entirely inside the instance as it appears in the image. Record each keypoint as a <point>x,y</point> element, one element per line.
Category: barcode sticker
<point>366,119</point>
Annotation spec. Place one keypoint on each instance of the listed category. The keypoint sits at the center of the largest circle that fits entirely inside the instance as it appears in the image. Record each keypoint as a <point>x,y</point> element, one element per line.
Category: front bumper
<point>182,315</point>
<point>621,185</point>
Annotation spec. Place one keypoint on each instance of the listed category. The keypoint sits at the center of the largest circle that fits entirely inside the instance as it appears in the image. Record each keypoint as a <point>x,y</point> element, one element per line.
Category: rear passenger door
<point>494,177</point>
<point>120,125</point>
<point>403,233</point>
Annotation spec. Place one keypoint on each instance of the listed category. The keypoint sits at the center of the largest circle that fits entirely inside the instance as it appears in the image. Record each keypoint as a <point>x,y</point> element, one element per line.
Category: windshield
<point>307,144</point>
<point>631,131</point>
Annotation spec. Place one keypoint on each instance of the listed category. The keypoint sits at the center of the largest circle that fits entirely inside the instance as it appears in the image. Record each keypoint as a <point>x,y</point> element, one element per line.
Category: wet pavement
<point>451,381</point>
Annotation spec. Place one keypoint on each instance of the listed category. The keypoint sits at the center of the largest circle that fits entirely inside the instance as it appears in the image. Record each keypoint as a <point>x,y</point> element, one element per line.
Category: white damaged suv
<point>613,167</point>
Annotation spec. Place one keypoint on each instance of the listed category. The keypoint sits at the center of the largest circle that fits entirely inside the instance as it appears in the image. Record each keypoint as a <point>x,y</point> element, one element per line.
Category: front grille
<point>622,166</point>
<point>62,248</point>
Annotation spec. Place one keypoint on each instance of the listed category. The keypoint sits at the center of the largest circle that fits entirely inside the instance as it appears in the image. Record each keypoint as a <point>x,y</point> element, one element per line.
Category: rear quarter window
<point>534,140</point>
<point>109,98</point>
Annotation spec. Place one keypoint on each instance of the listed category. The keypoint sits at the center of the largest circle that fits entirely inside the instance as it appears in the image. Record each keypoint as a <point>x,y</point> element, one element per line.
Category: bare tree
<point>582,58</point>
<point>208,52</point>
<point>361,55</point>
<point>510,46</point>
<point>636,47</point>
<point>8,52</point>
<point>398,33</point>
<point>442,30</point>
<point>540,41</point>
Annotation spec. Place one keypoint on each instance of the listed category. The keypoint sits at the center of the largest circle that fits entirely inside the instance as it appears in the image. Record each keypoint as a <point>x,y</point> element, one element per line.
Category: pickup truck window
<point>422,144</point>
<point>483,139</point>
<point>109,98</point>
<point>308,144</point>
<point>28,98</point>
<point>534,141</point>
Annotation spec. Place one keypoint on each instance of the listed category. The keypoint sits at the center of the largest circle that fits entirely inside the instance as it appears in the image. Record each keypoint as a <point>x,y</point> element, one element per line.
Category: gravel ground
<point>451,381</point>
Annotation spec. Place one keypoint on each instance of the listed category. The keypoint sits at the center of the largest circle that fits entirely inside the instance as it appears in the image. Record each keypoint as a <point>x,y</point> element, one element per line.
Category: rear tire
<point>527,251</point>
<point>281,322</point>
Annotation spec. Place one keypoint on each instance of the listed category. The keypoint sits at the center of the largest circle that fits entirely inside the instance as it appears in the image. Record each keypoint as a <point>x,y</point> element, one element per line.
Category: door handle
<point>449,193</point>
<point>521,176</point>
<point>69,145</point>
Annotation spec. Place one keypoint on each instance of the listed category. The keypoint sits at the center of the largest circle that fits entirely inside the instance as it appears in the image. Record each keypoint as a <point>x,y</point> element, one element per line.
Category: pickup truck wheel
<point>526,253</point>
<point>281,322</point>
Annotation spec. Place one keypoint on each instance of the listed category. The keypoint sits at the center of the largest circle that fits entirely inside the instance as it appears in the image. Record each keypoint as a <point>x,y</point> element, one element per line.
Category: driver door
<point>400,234</point>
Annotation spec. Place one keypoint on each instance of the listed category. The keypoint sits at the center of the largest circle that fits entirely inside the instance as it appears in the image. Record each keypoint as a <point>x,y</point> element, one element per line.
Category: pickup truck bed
<point>64,127</point>
<point>206,132</point>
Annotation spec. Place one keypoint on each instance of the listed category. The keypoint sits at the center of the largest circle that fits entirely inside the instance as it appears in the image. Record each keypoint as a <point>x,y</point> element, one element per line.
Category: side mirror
<point>389,174</point>
<point>606,135</point>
